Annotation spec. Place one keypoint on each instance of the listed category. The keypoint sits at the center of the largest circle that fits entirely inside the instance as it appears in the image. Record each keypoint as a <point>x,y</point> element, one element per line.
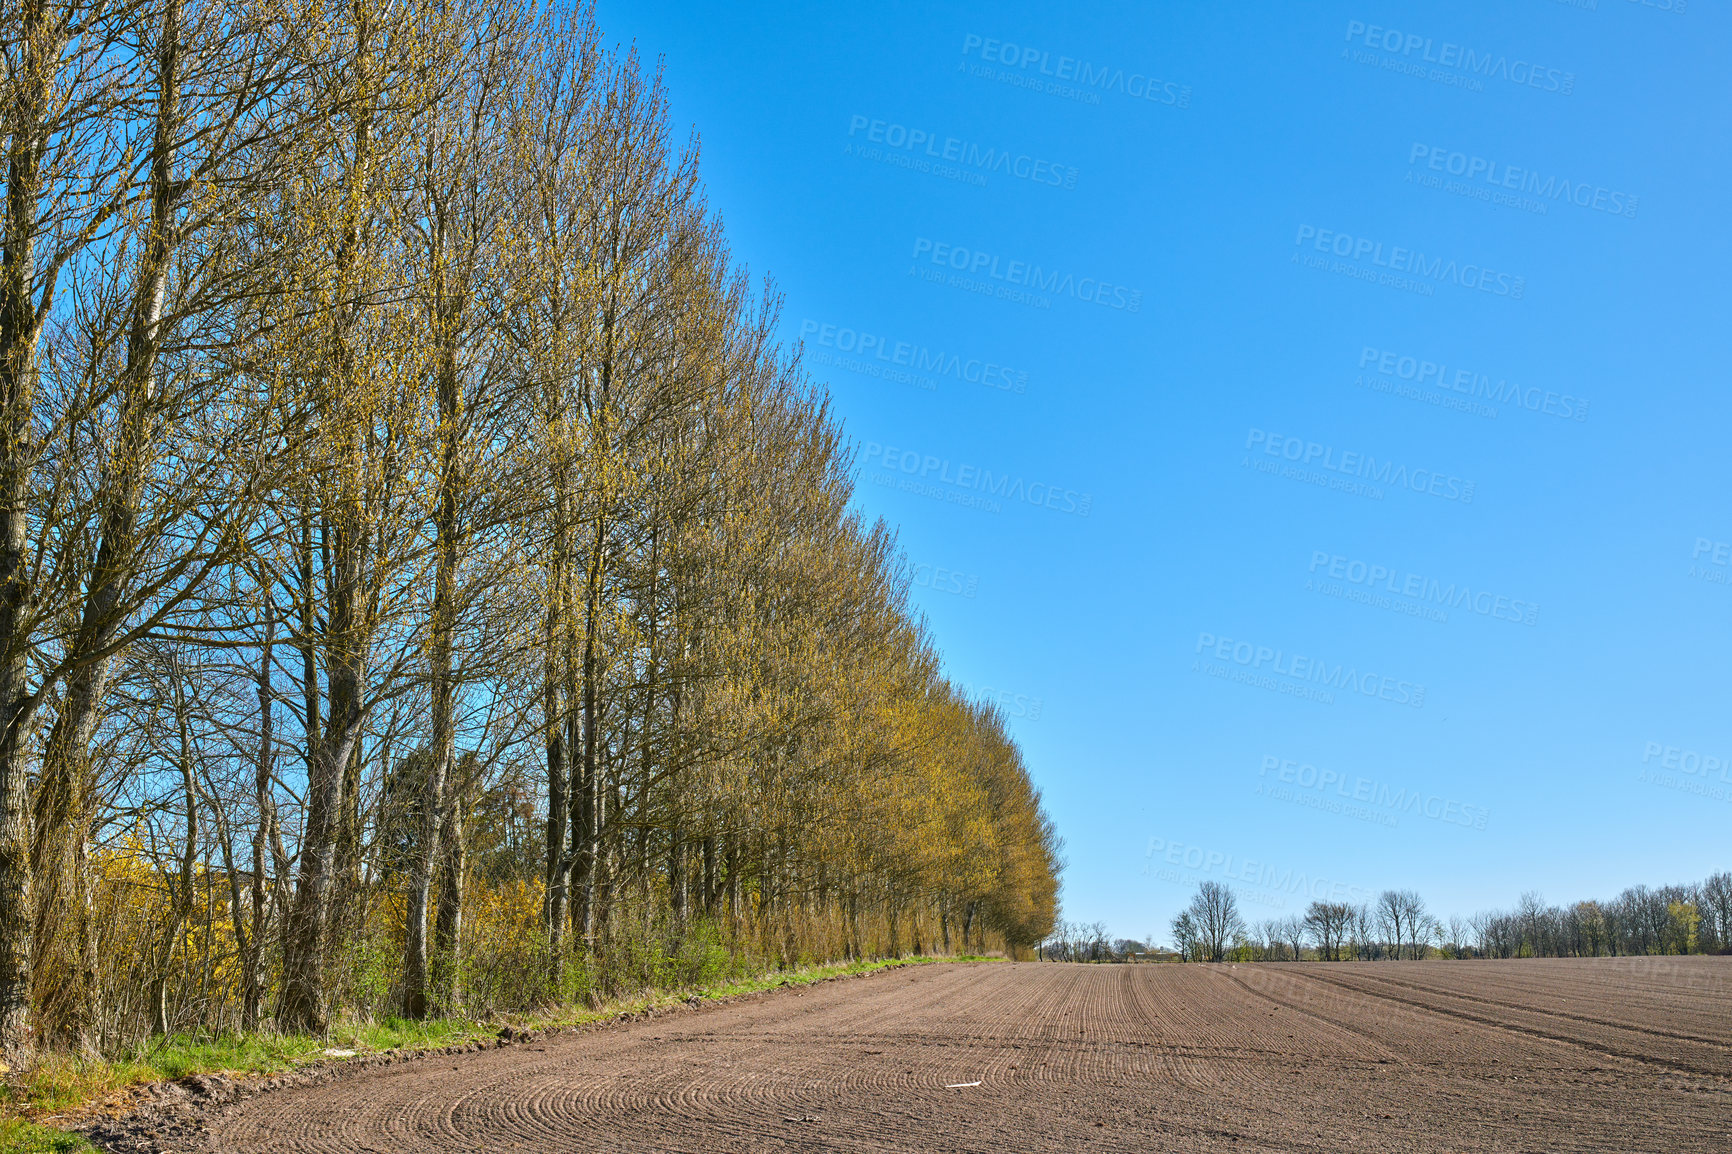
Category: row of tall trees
<point>421,568</point>
<point>1671,919</point>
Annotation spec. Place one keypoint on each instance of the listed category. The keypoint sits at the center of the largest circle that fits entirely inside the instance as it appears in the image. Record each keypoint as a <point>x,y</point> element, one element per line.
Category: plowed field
<point>1616,1054</point>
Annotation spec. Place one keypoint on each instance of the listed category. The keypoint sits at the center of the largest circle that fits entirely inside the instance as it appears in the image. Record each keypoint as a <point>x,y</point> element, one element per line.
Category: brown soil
<point>1616,1054</point>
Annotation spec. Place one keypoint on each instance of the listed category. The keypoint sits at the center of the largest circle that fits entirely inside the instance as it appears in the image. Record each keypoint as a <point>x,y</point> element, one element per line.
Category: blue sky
<point>1311,419</point>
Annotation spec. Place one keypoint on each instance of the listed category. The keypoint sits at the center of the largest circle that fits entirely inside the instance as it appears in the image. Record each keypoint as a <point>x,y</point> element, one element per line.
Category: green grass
<point>60,1083</point>
<point>20,1137</point>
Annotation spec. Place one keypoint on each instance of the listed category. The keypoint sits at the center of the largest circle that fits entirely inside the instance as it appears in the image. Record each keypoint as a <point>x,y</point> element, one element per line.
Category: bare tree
<point>1391,914</point>
<point>1328,924</point>
<point>1717,908</point>
<point>1185,937</point>
<point>1480,924</point>
<point>1459,929</point>
<point>1214,912</point>
<point>1361,932</point>
<point>1417,922</point>
<point>1270,938</point>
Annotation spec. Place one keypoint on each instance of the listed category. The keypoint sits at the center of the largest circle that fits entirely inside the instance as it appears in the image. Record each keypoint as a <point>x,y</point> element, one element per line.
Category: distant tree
<point>1683,923</point>
<point>1591,923</point>
<point>1530,919</point>
<point>1505,936</point>
<point>1391,914</point>
<point>1273,945</point>
<point>1458,933</point>
<point>1361,932</point>
<point>1185,937</point>
<point>1614,926</point>
<point>1068,942</point>
<point>1327,922</point>
<point>1124,949</point>
<point>1094,944</point>
<point>1480,924</point>
<point>1417,921</point>
<point>1215,915</point>
<point>1717,912</point>
<point>1428,931</point>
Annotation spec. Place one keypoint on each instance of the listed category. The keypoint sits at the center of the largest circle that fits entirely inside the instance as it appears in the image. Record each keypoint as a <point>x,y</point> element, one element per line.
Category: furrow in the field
<point>1213,1036</point>
<point>1604,1040</point>
<point>1697,980</point>
<point>1496,1000</point>
<point>1675,997</point>
<point>1357,1022</point>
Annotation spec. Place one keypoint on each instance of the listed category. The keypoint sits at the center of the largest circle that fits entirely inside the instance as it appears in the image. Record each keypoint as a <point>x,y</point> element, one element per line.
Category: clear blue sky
<point>1313,418</point>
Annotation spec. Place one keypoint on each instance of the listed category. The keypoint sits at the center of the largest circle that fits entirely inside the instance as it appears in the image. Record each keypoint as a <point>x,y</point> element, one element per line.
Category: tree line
<point>425,580</point>
<point>1077,942</point>
<point>1668,920</point>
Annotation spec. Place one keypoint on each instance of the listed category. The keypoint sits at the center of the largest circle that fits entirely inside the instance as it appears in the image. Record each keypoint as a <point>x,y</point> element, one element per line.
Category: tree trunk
<point>328,776</point>
<point>709,874</point>
<point>253,978</point>
<point>38,45</point>
<point>346,636</point>
<point>558,868</point>
<point>65,964</point>
<point>444,624</point>
<point>587,831</point>
<point>245,940</point>
<point>189,854</point>
<point>448,921</point>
